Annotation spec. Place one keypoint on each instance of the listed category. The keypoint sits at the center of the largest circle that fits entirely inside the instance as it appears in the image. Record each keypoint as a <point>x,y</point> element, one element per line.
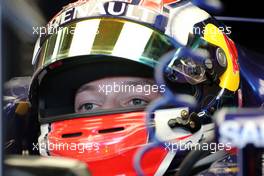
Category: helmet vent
<point>71,135</point>
<point>111,130</point>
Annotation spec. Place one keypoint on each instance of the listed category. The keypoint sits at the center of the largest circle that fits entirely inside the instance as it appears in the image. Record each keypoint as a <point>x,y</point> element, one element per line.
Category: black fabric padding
<point>58,87</point>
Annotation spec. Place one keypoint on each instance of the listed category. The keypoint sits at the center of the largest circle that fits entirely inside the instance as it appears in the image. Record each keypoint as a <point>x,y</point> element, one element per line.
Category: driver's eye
<point>137,102</point>
<point>87,107</point>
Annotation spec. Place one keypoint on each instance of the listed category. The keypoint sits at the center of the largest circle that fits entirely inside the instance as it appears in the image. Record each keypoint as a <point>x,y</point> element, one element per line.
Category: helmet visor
<point>105,36</point>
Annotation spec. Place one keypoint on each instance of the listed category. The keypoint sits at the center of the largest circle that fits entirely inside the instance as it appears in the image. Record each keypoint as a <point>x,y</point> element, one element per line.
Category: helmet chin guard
<point>116,138</point>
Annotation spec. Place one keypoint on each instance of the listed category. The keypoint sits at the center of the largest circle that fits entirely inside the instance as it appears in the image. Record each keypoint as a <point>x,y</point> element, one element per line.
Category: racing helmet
<point>90,40</point>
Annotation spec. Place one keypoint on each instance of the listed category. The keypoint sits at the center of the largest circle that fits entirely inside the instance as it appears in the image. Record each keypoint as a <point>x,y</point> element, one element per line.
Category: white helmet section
<point>182,20</point>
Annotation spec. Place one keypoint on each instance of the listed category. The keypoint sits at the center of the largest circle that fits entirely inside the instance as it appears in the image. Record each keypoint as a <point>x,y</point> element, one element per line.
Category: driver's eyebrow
<point>87,87</point>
